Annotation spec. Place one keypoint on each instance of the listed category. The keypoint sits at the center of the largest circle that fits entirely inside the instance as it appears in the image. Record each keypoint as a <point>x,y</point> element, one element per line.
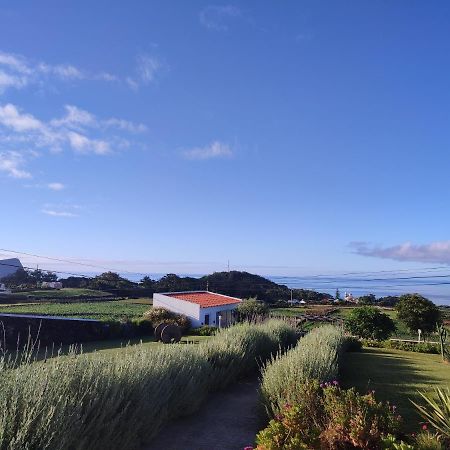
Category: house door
<point>206,319</point>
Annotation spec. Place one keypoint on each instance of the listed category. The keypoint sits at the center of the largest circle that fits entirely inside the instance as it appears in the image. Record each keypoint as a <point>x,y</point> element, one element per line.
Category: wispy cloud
<point>18,72</point>
<point>434,252</point>
<point>56,186</point>
<point>217,17</point>
<point>216,149</point>
<point>12,164</point>
<point>148,69</point>
<point>51,212</point>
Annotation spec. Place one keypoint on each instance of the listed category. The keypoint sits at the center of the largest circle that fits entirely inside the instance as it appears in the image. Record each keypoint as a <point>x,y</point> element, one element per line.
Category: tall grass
<point>315,357</point>
<point>116,401</point>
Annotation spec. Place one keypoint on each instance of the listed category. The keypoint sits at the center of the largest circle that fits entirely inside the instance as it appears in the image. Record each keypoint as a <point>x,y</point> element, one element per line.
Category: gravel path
<point>228,420</point>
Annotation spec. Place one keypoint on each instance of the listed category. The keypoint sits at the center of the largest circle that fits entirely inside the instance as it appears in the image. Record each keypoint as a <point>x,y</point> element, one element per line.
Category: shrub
<point>436,410</point>
<point>204,330</point>
<point>420,347</point>
<point>112,401</point>
<point>251,309</point>
<point>330,418</point>
<point>352,344</point>
<point>429,441</point>
<point>369,323</point>
<point>159,315</point>
<point>239,350</point>
<point>315,357</point>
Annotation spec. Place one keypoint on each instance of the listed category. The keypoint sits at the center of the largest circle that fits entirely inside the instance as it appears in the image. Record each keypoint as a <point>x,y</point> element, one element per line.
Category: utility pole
<point>228,266</point>
<point>291,295</point>
<point>207,285</point>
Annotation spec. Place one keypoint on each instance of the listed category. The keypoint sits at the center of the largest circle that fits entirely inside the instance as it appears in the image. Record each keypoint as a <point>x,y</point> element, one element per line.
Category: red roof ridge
<point>205,299</point>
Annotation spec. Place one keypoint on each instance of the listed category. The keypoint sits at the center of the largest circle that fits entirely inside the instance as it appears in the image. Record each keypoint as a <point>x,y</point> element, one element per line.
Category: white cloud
<point>148,67</point>
<point>125,125</point>
<point>53,213</point>
<point>83,144</point>
<point>434,252</point>
<point>8,81</point>
<point>215,150</point>
<point>216,17</point>
<point>11,163</point>
<point>75,116</point>
<point>17,72</point>
<point>12,118</point>
<point>56,186</point>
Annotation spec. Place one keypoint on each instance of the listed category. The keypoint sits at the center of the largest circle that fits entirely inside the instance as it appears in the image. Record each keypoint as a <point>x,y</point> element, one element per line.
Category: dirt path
<point>228,420</point>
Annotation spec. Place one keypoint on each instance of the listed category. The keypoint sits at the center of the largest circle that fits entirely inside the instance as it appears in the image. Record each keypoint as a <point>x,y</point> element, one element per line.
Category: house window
<point>206,319</point>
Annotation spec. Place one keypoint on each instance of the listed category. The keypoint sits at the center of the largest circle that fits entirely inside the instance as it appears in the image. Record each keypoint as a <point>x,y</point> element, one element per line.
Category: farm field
<point>107,310</point>
<point>396,376</point>
<point>62,293</point>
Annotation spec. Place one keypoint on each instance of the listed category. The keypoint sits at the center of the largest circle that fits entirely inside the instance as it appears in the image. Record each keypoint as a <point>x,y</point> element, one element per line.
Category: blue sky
<point>287,137</point>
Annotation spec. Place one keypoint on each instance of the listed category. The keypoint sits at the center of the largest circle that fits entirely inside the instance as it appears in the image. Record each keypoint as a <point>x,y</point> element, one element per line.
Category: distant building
<point>9,267</point>
<point>349,297</point>
<point>51,285</point>
<point>296,302</point>
<point>202,307</point>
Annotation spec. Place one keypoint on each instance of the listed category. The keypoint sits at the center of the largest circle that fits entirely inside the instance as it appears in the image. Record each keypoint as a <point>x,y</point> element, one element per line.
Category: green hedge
<point>422,347</point>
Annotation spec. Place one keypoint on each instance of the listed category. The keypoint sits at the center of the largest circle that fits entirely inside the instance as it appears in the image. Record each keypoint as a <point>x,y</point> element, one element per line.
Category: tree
<point>389,300</point>
<point>251,308</point>
<point>369,322</point>
<point>417,312</point>
<point>147,282</point>
<point>367,299</point>
<point>338,294</point>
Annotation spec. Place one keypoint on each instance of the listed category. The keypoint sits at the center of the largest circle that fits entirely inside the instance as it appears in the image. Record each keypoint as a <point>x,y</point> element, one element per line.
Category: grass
<point>396,376</point>
<point>107,310</point>
<point>62,293</point>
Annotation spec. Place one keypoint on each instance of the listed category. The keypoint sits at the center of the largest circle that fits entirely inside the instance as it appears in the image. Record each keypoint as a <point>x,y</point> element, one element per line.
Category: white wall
<point>178,306</point>
<point>213,312</point>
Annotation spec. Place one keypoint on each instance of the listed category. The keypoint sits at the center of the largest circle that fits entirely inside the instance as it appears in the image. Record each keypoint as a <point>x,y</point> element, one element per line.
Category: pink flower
<point>248,448</point>
<point>424,426</point>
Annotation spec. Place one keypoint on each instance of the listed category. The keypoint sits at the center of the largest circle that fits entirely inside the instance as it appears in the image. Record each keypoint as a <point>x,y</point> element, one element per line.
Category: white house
<point>202,307</point>
<point>51,285</point>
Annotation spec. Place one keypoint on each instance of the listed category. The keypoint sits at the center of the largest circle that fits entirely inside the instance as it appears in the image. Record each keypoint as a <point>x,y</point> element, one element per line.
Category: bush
<point>329,417</point>
<point>368,322</point>
<point>352,344</point>
<point>239,350</point>
<point>420,347</point>
<point>251,309</point>
<point>315,357</point>
<point>114,401</point>
<point>204,330</point>
<point>159,315</point>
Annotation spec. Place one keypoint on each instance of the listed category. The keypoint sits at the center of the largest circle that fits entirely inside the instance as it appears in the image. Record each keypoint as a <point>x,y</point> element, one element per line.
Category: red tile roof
<point>205,299</point>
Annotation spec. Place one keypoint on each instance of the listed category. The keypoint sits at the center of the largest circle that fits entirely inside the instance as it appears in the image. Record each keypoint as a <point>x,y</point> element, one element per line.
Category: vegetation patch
<point>115,401</point>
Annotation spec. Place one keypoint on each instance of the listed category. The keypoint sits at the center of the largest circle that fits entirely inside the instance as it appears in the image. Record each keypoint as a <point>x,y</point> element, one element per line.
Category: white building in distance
<point>9,267</point>
<point>202,307</point>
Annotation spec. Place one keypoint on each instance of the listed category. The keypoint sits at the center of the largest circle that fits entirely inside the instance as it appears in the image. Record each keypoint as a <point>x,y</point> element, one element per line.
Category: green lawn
<point>100,310</point>
<point>395,376</point>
